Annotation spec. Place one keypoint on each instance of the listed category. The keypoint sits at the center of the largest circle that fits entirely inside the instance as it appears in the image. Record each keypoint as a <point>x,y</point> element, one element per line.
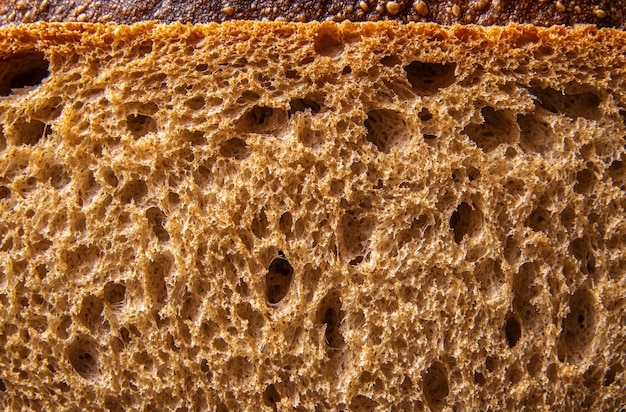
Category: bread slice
<point>272,216</point>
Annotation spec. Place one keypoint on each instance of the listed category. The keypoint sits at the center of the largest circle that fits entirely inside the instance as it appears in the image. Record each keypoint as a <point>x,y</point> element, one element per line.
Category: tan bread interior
<point>312,217</point>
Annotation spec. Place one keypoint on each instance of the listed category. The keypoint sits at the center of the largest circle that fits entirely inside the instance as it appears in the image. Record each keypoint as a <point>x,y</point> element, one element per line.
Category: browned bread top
<point>603,13</point>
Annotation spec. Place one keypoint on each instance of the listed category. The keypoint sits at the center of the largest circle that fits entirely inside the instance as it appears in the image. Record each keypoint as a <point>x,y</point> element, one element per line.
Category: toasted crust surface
<point>607,13</point>
<point>278,216</point>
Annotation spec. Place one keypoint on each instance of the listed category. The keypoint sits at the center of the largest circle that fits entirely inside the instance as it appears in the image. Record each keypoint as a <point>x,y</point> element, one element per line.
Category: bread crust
<point>608,13</point>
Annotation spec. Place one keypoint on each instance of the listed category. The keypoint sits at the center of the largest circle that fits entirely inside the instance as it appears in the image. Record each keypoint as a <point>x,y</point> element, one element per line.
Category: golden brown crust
<point>604,13</point>
<point>264,216</point>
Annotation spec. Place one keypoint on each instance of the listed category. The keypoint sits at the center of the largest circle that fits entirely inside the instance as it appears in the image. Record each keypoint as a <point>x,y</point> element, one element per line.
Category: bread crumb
<point>363,5</point>
<point>244,119</point>
<point>421,8</point>
<point>456,10</point>
<point>393,8</point>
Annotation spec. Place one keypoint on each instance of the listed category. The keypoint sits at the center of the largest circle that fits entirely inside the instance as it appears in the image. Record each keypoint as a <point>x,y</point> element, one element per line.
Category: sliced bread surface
<point>274,216</point>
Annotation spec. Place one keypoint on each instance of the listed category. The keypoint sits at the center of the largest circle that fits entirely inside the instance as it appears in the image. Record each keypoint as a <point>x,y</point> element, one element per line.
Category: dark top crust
<point>603,13</point>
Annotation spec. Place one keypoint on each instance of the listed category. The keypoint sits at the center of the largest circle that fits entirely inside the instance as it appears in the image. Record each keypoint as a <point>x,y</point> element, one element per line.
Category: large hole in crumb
<point>465,220</point>
<point>195,103</point>
<point>427,78</point>
<point>285,223</point>
<point>263,120</point>
<point>611,373</point>
<point>82,354</point>
<point>513,331</point>
<point>498,127</point>
<point>5,192</point>
<point>109,177</point>
<point>535,134</point>
<point>492,363</point>
<point>22,70</point>
<point>278,279</point>
<point>157,219</point>
<point>328,40</point>
<point>235,148</point>
<point>331,314</point>
<point>585,181</point>
<point>579,327</point>
<point>140,125</point>
<point>114,294</point>
<point>303,105</point>
<point>425,115</point>
<point>617,172</point>
<point>390,61</point>
<point>436,386</point>
<point>539,220</point>
<point>271,396</point>
<point>386,129</point>
<point>479,378</point>
<point>585,104</point>
<point>28,133</point>
<point>134,190</point>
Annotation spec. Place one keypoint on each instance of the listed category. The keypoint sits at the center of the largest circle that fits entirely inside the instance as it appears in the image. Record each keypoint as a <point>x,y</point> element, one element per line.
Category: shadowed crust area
<point>610,13</point>
<point>271,216</point>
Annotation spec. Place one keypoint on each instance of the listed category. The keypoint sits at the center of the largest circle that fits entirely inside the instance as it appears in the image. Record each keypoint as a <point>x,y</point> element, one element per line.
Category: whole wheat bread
<point>312,217</point>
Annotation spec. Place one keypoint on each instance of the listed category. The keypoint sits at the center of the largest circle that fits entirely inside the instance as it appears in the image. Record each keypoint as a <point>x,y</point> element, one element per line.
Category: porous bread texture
<point>312,216</point>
